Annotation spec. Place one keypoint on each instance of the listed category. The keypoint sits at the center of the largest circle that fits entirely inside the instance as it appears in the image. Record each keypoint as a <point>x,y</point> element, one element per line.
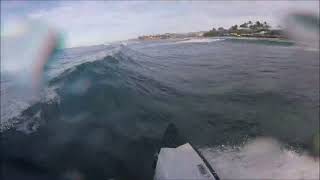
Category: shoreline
<point>222,37</point>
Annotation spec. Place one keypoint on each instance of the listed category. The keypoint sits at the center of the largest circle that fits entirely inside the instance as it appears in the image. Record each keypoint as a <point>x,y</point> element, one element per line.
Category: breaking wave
<point>104,109</point>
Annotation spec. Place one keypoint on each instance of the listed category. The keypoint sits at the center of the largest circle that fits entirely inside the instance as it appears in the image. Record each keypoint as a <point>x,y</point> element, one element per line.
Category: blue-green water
<point>105,108</point>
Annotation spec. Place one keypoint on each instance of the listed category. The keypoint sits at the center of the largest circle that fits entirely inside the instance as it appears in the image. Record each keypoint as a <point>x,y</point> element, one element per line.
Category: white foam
<point>262,158</point>
<point>200,40</point>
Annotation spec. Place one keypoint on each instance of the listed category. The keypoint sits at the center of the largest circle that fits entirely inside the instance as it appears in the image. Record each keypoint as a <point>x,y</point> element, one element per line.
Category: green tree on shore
<point>220,29</point>
<point>244,25</point>
<point>233,28</point>
<point>247,29</point>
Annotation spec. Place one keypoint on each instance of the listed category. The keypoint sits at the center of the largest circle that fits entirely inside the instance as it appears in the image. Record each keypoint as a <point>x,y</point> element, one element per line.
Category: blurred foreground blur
<point>25,52</point>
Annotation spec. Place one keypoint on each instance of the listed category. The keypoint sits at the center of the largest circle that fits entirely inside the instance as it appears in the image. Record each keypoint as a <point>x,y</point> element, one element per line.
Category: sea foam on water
<point>262,158</point>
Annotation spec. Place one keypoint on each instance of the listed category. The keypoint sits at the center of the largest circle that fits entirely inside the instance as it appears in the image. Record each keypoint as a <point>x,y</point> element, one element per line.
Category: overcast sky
<point>88,23</point>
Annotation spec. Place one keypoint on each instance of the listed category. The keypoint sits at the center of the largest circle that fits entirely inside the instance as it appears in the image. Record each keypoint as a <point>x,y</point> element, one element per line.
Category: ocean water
<point>103,111</point>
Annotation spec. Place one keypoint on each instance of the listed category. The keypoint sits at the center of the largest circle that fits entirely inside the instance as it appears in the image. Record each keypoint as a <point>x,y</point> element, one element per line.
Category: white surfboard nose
<point>182,162</point>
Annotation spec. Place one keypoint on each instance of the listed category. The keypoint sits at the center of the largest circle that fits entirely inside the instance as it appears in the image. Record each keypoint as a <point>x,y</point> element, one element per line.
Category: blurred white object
<point>25,50</point>
<point>304,29</point>
<point>182,162</point>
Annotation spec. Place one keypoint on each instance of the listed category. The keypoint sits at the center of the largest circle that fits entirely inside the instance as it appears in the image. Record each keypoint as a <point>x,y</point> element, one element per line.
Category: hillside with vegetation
<point>247,29</point>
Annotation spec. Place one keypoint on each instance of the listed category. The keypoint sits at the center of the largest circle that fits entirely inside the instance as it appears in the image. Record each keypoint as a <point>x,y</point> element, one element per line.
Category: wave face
<point>104,109</point>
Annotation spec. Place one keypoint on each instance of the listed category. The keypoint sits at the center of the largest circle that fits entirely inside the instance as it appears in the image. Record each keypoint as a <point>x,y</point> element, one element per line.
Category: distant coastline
<point>246,30</point>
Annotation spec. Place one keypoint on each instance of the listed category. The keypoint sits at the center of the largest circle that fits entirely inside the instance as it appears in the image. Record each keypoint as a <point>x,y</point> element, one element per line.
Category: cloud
<point>94,22</point>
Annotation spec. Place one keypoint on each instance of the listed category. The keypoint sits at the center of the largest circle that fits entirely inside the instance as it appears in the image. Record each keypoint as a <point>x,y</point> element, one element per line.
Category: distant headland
<point>248,29</point>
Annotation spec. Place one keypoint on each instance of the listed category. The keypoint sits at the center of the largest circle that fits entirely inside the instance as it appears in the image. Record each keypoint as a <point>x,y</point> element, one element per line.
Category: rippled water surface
<point>105,108</point>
